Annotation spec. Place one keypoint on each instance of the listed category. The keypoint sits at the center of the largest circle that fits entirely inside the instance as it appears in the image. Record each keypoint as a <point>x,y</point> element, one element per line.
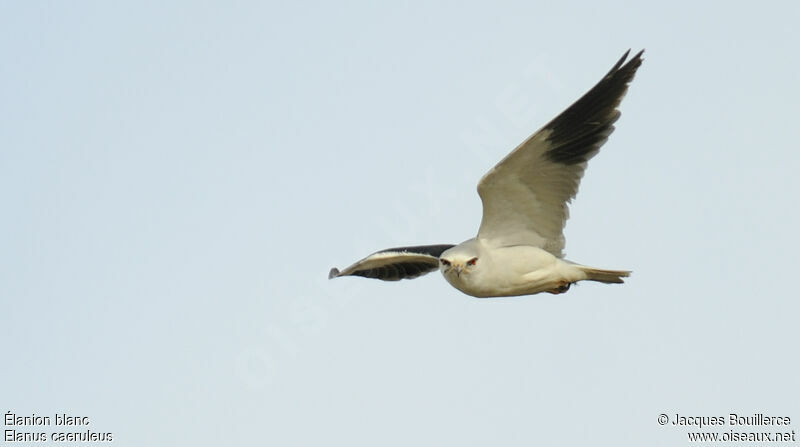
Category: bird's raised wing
<point>525,196</point>
<point>394,264</point>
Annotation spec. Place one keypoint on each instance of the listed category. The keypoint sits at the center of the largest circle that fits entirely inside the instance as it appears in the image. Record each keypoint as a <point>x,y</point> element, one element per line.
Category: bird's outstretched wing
<point>525,196</point>
<point>394,264</point>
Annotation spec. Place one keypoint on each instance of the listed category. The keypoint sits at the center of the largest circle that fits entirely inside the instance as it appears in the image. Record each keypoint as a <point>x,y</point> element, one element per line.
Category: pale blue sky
<point>178,179</point>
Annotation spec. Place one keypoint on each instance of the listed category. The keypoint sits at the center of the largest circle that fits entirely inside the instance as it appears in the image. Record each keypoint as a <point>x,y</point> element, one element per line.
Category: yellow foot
<point>563,286</point>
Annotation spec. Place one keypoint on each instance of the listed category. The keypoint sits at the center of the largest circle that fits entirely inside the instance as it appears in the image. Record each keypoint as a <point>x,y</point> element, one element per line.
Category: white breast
<point>516,270</point>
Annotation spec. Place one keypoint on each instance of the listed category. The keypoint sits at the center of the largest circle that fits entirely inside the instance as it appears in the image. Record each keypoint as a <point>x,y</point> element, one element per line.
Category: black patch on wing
<point>397,271</point>
<point>579,131</point>
<point>406,270</point>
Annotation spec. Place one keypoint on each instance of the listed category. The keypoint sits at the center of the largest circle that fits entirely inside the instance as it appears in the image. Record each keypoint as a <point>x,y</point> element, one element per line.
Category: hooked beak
<point>458,268</point>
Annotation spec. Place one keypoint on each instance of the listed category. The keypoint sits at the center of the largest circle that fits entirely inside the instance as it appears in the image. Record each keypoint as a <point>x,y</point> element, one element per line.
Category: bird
<point>519,248</point>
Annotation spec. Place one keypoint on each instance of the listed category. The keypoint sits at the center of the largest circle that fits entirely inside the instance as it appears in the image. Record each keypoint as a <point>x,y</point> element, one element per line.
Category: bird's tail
<point>605,276</point>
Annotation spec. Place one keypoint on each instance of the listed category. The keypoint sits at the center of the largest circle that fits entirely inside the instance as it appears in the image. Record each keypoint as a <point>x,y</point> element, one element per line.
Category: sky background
<point>176,180</point>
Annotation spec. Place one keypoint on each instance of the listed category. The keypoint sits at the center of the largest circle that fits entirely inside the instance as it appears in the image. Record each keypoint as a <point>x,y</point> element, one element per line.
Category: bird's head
<point>458,263</point>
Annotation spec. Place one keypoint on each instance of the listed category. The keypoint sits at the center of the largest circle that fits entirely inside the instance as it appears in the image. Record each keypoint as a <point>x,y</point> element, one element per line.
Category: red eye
<point>472,261</point>
<point>445,262</point>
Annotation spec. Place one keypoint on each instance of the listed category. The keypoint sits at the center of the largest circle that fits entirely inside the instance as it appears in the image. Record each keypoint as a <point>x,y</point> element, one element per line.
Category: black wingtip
<point>333,273</point>
<point>620,61</point>
<point>578,132</point>
<point>635,60</point>
<point>638,58</point>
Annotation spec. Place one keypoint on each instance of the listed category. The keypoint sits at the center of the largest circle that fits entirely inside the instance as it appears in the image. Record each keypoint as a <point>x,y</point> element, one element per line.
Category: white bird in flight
<point>520,243</point>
